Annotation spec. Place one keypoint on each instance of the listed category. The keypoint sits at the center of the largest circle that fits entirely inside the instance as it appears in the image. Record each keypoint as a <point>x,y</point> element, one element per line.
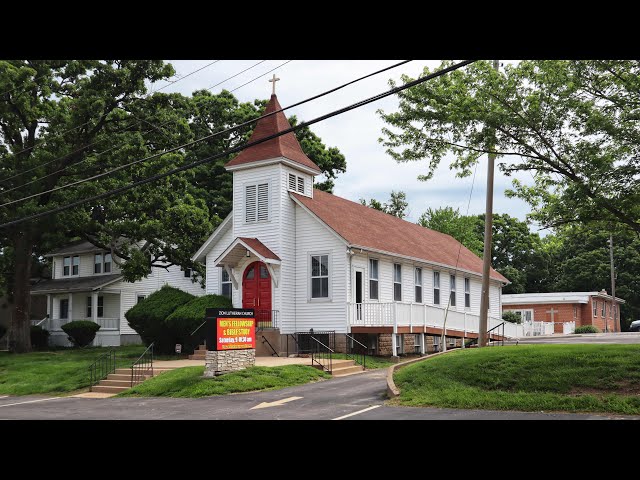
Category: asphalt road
<point>355,397</point>
<point>622,338</point>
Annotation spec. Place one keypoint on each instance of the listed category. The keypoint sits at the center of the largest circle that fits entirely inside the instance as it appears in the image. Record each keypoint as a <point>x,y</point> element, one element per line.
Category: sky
<point>371,173</point>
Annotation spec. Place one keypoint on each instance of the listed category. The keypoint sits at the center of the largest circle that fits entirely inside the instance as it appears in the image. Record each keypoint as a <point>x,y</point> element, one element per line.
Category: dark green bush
<point>186,318</point>
<point>511,316</point>
<point>587,329</point>
<point>39,338</point>
<point>81,332</point>
<point>147,317</point>
<point>3,330</point>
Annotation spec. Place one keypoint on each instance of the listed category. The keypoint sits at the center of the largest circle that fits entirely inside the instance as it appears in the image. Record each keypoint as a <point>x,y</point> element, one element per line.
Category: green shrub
<point>39,338</point>
<point>81,332</point>
<point>511,316</point>
<point>587,329</point>
<point>185,319</point>
<point>3,330</point>
<point>147,317</point>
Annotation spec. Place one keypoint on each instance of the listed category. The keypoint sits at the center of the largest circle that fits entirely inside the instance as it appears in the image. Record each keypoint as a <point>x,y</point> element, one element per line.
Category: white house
<point>306,259</point>
<point>86,284</point>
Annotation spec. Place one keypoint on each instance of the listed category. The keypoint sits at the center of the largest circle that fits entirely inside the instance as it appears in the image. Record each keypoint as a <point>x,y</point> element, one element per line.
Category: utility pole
<point>488,233</point>
<point>613,285</point>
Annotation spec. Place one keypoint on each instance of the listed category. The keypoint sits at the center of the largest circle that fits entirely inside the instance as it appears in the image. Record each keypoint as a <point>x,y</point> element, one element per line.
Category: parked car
<point>635,326</point>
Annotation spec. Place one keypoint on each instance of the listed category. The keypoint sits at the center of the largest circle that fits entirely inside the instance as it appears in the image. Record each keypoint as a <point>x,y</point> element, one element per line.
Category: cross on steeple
<point>274,80</point>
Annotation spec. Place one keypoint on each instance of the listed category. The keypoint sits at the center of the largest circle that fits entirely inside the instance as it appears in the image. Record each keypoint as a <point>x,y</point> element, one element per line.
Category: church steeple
<point>286,145</point>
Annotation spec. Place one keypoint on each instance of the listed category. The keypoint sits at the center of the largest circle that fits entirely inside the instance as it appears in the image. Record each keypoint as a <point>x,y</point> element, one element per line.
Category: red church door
<point>256,292</point>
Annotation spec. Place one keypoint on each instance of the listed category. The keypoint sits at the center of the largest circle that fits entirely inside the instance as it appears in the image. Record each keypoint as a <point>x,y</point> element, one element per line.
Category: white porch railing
<point>55,324</point>
<point>398,314</point>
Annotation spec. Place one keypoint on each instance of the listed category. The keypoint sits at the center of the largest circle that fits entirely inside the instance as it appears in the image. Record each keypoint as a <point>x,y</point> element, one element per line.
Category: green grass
<point>55,372</point>
<point>371,362</point>
<point>188,381</point>
<point>576,378</point>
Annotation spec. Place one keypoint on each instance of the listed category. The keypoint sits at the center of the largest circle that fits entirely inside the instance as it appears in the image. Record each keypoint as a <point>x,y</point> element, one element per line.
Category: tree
<point>462,228</point>
<point>511,316</point>
<point>397,205</point>
<point>61,121</point>
<point>572,125</point>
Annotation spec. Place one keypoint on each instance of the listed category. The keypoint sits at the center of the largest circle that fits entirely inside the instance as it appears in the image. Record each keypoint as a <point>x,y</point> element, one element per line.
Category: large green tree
<point>396,206</point>
<point>573,125</point>
<point>450,221</point>
<point>62,121</point>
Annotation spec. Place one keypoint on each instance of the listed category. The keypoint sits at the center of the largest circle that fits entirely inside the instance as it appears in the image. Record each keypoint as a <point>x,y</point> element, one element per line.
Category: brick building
<point>583,308</point>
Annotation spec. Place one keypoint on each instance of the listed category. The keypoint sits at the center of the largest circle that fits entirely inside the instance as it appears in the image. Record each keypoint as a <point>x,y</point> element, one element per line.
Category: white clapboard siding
<point>214,273</point>
<point>86,266</point>
<point>314,238</point>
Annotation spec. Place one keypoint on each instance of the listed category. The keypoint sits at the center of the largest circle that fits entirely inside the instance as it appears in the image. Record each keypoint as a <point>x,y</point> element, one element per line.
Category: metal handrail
<point>264,339</point>
<point>354,356</point>
<point>104,365</point>
<point>199,327</point>
<point>138,369</point>
<point>318,356</point>
<point>475,340</point>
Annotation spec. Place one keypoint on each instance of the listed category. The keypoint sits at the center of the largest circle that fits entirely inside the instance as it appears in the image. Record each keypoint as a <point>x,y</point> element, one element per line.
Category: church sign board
<point>230,329</point>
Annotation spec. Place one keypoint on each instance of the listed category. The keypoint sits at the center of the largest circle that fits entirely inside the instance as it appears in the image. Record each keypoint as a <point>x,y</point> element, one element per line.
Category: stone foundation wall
<point>217,363</point>
<point>341,343</point>
<point>384,344</point>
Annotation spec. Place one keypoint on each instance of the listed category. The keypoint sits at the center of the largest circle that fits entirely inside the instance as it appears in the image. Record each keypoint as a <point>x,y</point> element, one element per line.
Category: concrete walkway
<point>260,362</point>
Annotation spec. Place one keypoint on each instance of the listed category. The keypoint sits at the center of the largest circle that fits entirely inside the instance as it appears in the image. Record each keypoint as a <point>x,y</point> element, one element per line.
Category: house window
<point>436,288</point>
<point>226,284</point>
<point>397,282</point>
<point>300,184</point>
<point>107,263</point>
<point>595,308</point>
<point>319,276</point>
<point>100,306</point>
<point>296,183</point>
<point>66,266</point>
<point>64,308</point>
<point>97,264</point>
<point>604,309</point>
<point>75,265</point>
<point>256,202</point>
<point>399,344</point>
<point>140,298</point>
<point>467,293</point>
<point>187,273</point>
<point>418,281</point>
<point>373,279</point>
<point>292,182</point>
<point>452,296</point>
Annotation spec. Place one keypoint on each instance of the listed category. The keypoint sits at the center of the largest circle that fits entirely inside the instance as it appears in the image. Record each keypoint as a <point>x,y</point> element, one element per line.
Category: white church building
<point>308,260</point>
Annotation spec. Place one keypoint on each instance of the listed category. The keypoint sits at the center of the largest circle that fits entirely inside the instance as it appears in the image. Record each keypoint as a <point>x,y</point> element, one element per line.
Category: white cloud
<point>370,171</point>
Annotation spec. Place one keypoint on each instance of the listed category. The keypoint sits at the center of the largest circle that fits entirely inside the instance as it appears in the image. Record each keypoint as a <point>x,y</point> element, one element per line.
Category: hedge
<point>39,338</point>
<point>185,319</point>
<point>81,332</point>
<point>147,317</point>
<point>587,329</point>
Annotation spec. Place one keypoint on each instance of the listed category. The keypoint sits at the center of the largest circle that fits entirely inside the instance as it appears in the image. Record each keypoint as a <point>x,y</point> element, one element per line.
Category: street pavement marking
<point>31,401</point>
<point>276,403</point>
<point>357,413</point>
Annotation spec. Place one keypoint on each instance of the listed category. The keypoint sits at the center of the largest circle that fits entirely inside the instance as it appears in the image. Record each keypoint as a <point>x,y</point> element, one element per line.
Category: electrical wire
<point>193,142</point>
<point>189,166</point>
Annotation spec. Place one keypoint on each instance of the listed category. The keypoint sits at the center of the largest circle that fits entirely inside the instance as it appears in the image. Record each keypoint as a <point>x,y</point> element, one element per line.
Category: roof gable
<point>366,227</point>
<point>286,145</point>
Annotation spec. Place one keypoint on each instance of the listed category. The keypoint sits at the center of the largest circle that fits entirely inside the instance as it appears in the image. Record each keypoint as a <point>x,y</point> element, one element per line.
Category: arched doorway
<point>256,290</point>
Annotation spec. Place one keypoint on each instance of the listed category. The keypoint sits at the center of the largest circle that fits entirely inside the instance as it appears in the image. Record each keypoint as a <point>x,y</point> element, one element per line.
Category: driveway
<point>354,397</point>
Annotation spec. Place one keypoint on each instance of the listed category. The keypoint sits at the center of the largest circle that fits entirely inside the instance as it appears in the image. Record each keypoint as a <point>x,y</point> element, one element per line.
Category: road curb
<point>392,389</point>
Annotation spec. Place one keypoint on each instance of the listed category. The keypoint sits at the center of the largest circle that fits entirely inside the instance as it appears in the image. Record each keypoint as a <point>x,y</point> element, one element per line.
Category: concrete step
<point>116,383</point>
<point>197,356</point>
<point>108,389</point>
<point>338,372</point>
<point>156,370</point>
<point>118,376</point>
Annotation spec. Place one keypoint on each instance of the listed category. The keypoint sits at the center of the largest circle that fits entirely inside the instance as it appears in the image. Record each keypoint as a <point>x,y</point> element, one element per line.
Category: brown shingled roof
<point>283,146</point>
<point>366,227</point>
<point>259,247</point>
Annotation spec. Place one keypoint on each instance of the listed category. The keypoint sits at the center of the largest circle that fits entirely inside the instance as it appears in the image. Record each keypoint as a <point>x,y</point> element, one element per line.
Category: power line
<point>189,166</point>
<point>86,123</point>
<point>193,142</point>
<point>98,141</point>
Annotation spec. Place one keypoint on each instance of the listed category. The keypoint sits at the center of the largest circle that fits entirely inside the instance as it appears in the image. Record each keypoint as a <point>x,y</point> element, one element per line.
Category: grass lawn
<point>576,378</point>
<point>371,362</point>
<point>188,381</point>
<point>55,372</point>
